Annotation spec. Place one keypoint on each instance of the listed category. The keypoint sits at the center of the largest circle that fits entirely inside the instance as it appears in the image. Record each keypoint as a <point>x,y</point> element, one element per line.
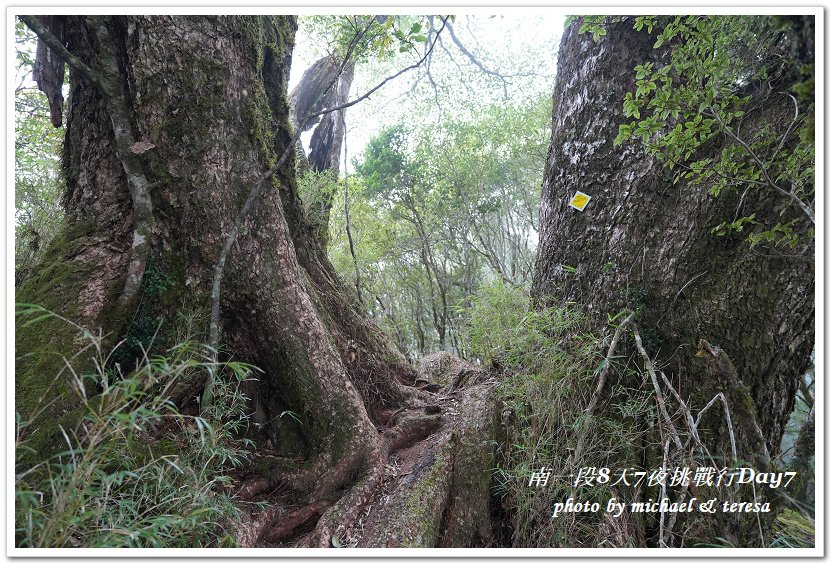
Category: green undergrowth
<point>551,361</point>
<point>136,472</point>
<point>550,364</point>
<point>794,529</point>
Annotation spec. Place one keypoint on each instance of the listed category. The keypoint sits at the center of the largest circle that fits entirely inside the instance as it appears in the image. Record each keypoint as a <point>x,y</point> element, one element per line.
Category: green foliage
<point>721,71</point>
<point>456,84</point>
<point>551,366</point>
<point>366,37</point>
<point>794,529</point>
<point>497,311</point>
<point>435,211</point>
<point>315,189</point>
<point>144,328</point>
<point>595,25</point>
<point>155,282</point>
<point>388,172</point>
<point>37,173</point>
<point>122,482</point>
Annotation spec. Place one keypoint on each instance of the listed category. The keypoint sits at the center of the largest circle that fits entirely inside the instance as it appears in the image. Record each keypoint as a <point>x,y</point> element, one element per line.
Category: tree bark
<point>206,97</point>
<point>645,244</point>
<point>323,85</point>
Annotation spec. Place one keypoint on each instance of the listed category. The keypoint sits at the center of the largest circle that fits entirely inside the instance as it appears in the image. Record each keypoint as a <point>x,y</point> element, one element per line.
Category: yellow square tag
<point>579,201</point>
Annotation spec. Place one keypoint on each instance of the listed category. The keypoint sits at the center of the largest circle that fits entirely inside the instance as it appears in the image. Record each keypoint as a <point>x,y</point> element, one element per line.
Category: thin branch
<point>346,209</point>
<point>687,284</point>
<point>428,72</point>
<point>475,61</point>
<point>110,85</point>
<point>662,541</point>
<point>728,421</point>
<point>805,207</point>
<point>125,143</point>
<point>690,421</point>
<point>384,81</point>
<point>807,396</point>
<point>789,129</point>
<point>658,392</point>
<point>731,179</point>
<point>603,376</point>
<point>673,517</point>
<point>55,44</point>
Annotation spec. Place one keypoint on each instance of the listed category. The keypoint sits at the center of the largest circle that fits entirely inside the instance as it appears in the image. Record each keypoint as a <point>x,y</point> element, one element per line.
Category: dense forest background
<point>332,294</point>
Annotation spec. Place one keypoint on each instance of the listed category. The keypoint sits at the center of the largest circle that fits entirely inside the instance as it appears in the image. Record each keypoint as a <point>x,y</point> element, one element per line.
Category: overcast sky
<point>522,45</point>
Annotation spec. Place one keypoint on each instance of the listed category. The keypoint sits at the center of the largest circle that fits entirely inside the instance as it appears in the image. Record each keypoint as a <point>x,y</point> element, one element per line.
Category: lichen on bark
<point>206,95</point>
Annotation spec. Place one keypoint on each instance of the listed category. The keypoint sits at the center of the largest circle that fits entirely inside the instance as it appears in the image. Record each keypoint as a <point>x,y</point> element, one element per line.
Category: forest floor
<point>411,474</point>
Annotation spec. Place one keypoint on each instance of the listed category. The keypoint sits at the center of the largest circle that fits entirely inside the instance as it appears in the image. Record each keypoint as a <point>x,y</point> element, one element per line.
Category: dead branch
<point>57,46</point>
<point>603,376</point>
<point>728,421</point>
<point>658,393</point>
<point>690,421</point>
<point>662,540</point>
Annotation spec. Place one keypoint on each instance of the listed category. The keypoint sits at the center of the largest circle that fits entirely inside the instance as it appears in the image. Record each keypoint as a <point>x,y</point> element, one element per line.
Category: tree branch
<point>658,392</point>
<point>805,391</point>
<point>789,129</point>
<point>805,207</point>
<point>475,61</point>
<point>346,212</point>
<point>55,44</point>
<point>385,80</point>
<point>603,376</point>
<point>125,144</point>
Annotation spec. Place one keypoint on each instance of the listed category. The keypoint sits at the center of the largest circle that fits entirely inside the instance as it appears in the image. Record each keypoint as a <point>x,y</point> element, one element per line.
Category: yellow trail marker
<point>579,201</point>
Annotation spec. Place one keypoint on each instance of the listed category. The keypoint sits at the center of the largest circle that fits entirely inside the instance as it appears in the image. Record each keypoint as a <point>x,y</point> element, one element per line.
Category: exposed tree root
<point>420,477</point>
<point>434,489</point>
<point>410,430</point>
<point>252,487</point>
<point>290,523</point>
<point>252,527</point>
<point>335,521</point>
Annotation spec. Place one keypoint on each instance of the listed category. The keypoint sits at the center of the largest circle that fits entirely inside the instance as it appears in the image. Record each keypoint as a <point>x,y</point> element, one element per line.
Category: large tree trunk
<point>206,100</point>
<point>645,244</point>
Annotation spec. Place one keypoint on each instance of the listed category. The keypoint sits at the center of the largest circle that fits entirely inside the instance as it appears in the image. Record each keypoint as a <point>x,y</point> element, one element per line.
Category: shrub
<point>137,473</point>
<point>550,366</point>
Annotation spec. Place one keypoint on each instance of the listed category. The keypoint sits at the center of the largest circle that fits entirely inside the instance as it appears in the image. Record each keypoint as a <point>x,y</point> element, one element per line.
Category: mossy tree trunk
<point>206,102</point>
<point>645,244</point>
